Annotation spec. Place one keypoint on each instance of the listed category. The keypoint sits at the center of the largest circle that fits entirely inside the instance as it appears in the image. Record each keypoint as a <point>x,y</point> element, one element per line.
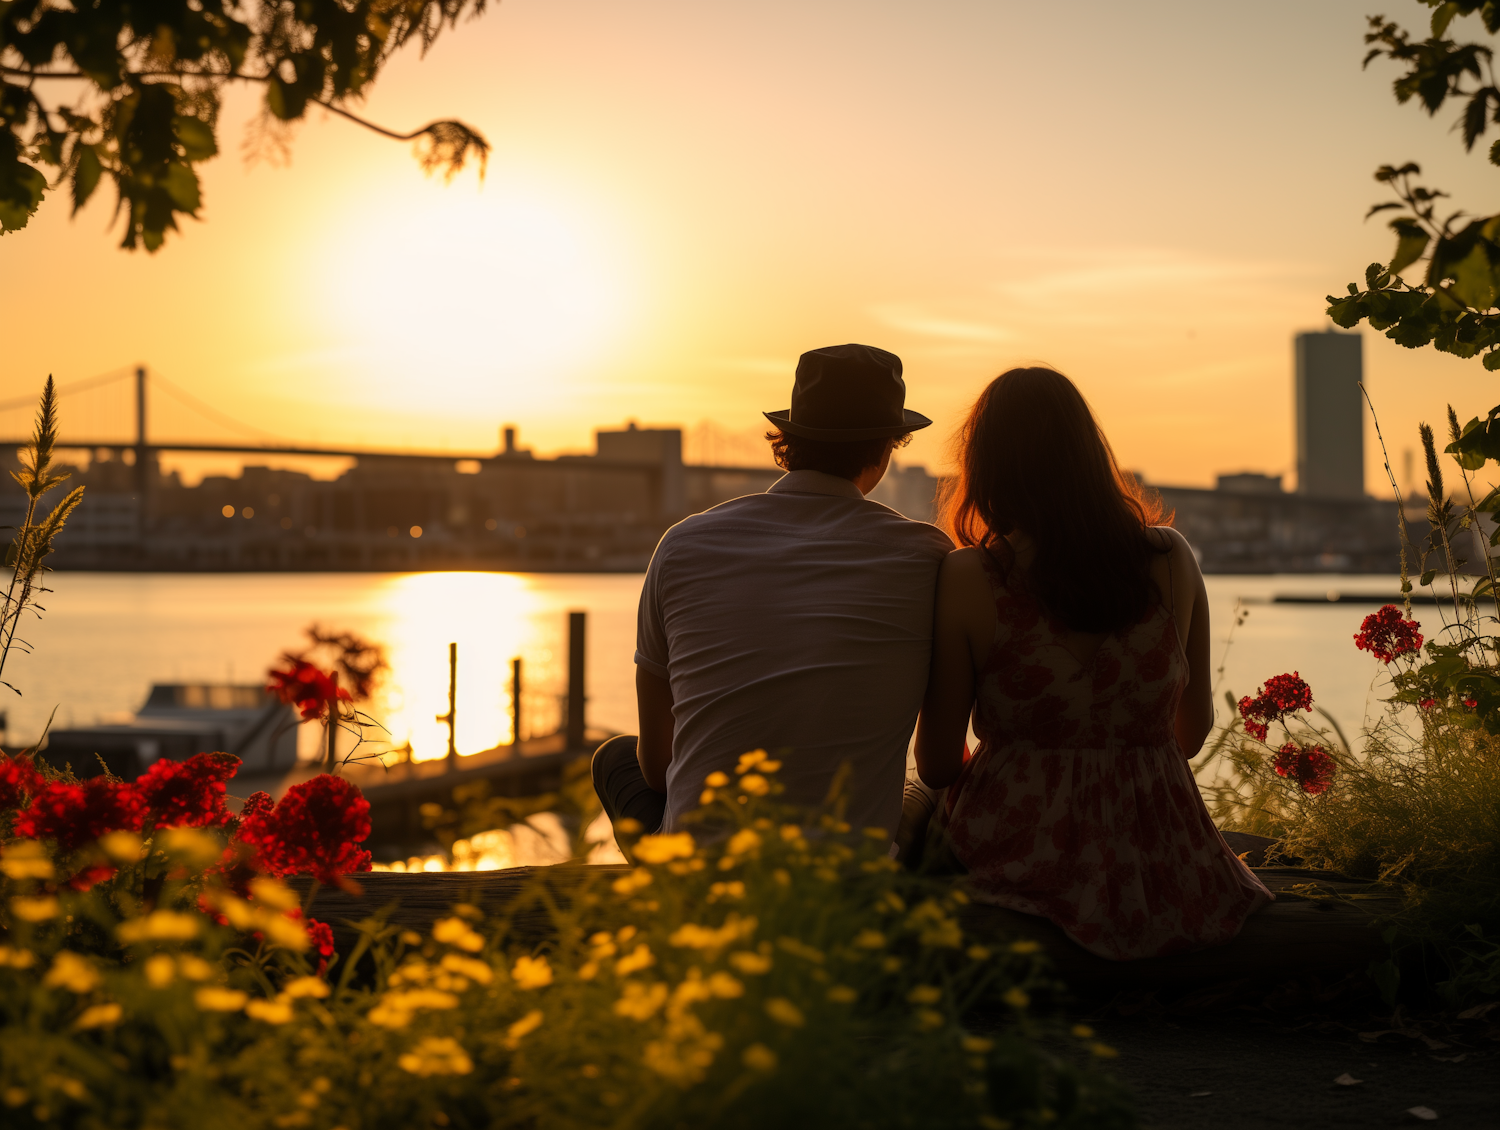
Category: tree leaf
<point>1411,241</point>
<point>1492,360</point>
<point>197,138</point>
<point>1495,153</point>
<point>85,176</point>
<point>182,186</point>
<point>1476,282</point>
<point>1427,577</point>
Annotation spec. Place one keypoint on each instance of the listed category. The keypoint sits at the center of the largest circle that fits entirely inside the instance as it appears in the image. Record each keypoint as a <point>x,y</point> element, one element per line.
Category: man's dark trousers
<point>621,787</point>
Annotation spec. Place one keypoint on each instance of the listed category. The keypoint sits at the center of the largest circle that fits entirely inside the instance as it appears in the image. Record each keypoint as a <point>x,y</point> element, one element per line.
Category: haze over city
<point>682,198</point>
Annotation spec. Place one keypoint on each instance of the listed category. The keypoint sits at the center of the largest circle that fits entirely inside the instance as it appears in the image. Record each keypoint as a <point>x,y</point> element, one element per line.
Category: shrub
<point>749,970</point>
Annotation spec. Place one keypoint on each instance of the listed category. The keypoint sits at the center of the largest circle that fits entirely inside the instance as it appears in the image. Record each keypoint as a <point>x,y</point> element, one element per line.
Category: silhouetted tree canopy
<point>1456,257</point>
<point>131,90</point>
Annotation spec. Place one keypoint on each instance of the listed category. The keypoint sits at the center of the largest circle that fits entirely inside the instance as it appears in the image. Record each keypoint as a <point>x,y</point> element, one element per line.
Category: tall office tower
<point>1330,415</point>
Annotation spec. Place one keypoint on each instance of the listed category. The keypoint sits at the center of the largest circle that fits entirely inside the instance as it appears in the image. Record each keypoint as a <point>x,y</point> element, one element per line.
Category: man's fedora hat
<point>848,392</point>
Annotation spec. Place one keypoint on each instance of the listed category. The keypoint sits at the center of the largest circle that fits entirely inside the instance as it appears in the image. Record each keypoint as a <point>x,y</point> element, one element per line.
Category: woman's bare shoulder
<point>963,569</point>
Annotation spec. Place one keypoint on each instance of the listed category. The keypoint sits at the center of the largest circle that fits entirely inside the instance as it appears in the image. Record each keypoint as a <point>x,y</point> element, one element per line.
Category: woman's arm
<point>1195,713</point>
<point>962,596</point>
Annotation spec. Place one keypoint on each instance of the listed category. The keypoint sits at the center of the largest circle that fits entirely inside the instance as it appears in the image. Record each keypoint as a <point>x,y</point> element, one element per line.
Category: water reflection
<point>493,617</point>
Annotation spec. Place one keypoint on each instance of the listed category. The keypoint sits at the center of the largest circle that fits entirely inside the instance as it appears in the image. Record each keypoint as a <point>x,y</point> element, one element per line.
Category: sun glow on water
<point>493,617</point>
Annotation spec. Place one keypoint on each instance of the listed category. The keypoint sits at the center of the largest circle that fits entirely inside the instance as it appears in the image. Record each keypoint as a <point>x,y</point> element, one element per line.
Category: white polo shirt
<point>797,621</point>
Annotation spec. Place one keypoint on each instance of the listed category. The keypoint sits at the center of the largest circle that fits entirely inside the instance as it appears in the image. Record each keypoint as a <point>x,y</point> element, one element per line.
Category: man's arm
<point>653,699</point>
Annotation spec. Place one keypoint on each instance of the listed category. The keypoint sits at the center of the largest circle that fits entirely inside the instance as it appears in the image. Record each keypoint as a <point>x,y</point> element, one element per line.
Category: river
<point>106,637</point>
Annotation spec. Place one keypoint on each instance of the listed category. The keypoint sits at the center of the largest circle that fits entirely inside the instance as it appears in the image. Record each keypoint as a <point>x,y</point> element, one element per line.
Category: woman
<point>1074,626</point>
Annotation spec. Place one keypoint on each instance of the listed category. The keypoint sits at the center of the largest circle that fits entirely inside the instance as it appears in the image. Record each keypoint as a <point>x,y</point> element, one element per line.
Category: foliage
<point>1417,809</point>
<point>133,93</point>
<point>1453,307</point>
<point>28,550</point>
<point>757,967</point>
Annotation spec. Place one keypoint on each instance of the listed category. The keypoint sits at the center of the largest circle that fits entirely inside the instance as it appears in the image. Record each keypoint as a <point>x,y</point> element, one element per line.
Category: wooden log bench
<point>1321,923</point>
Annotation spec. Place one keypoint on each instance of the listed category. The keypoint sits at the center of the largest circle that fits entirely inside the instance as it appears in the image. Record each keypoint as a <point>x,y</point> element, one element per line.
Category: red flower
<point>1281,695</point>
<point>187,793</point>
<point>76,814</point>
<point>310,690</point>
<point>1470,701</point>
<point>1312,767</point>
<point>316,829</point>
<point>1427,703</point>
<point>1387,635</point>
<point>256,803</point>
<point>94,873</point>
<point>19,781</point>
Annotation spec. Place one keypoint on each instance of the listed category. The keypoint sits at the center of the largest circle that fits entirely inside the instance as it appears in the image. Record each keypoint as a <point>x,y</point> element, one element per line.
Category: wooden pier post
<point>577,631</point>
<point>452,716</point>
<point>515,702</point>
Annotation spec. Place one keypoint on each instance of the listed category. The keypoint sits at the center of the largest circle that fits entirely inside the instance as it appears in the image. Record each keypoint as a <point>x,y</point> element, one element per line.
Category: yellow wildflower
<point>190,845</point>
<point>472,968</point>
<point>731,890</point>
<point>791,833</point>
<point>890,903</point>
<point>842,994</point>
<point>1083,1031</point>
<point>716,780</point>
<point>211,998</point>
<point>523,1027</point>
<point>16,958</point>
<point>629,884</point>
<point>531,972</point>
<point>758,1057</point>
<point>928,1019</point>
<point>14,1096</point>
<point>99,1016</point>
<point>624,934</point>
<point>27,860</point>
<point>977,1045</point>
<point>755,784</point>
<point>934,928</point>
<point>72,972</point>
<point>1016,997</point>
<point>685,1053</point>
<point>436,1055</point>
<point>274,893</point>
<point>306,987</point>
<point>633,962</point>
<point>194,968</point>
<point>990,1122</point>
<point>978,953</point>
<point>785,1012</point>
<point>159,925</point>
<point>721,984</point>
<point>639,1001</point>
<point>692,936</point>
<point>124,848</point>
<point>277,1011</point>
<point>663,848</point>
<point>74,1089</point>
<point>588,971</point>
<point>35,909</point>
<point>1103,1051</point>
<point>456,932</point>
<point>1025,946</point>
<point>782,876</point>
<point>876,834</point>
<point>869,940</point>
<point>706,797</point>
<point>743,842</point>
<point>769,766</point>
<point>890,964</point>
<point>750,963</point>
<point>749,761</point>
<point>925,994</point>
<point>283,931</point>
<point>628,826</point>
<point>409,938</point>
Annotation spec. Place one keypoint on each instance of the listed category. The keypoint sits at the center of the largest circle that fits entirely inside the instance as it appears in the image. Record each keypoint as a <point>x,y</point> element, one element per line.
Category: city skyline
<point>682,200</point>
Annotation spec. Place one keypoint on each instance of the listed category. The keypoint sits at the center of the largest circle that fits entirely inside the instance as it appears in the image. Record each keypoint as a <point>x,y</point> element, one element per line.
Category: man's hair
<point>844,459</point>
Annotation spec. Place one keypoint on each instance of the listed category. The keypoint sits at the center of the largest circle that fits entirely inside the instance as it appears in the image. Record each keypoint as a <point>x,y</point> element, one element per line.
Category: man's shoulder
<point>799,517</point>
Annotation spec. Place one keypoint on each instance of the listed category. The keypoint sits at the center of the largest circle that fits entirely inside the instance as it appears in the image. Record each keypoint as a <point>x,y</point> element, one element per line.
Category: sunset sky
<point>683,196</point>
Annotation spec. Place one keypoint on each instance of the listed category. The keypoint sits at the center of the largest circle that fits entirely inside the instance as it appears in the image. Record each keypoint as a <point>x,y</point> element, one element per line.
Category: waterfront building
<point>1330,414</point>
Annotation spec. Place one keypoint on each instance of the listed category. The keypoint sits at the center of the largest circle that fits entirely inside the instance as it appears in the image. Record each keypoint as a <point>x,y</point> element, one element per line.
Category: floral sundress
<point>1078,804</point>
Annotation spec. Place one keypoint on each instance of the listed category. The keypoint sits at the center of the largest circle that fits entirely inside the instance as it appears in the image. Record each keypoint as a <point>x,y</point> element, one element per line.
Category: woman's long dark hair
<point>1031,457</point>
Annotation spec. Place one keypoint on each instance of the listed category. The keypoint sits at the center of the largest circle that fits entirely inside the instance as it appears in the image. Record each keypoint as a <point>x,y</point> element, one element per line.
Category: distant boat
<point>178,721</point>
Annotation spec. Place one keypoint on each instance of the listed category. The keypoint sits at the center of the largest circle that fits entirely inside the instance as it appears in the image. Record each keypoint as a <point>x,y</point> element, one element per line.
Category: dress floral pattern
<point>1078,804</point>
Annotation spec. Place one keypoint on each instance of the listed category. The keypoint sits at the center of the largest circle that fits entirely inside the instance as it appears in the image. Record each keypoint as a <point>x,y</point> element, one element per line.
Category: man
<point>797,621</point>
